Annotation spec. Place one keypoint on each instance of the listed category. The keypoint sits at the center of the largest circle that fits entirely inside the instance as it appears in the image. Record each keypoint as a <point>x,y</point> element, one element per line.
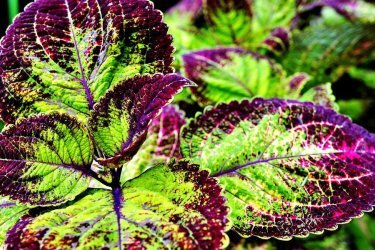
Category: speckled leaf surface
<point>228,74</point>
<point>10,213</point>
<point>167,126</point>
<point>321,95</point>
<point>120,121</point>
<point>65,54</point>
<point>161,145</point>
<point>176,207</point>
<point>45,160</point>
<point>288,168</point>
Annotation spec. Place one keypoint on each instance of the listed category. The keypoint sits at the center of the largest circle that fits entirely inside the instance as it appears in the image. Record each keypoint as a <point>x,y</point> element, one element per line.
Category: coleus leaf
<point>365,75</point>
<point>191,8</point>
<point>247,23</point>
<point>168,126</point>
<point>351,9</point>
<point>228,74</point>
<point>212,7</point>
<point>288,168</point>
<point>324,51</point>
<point>278,41</point>
<point>120,121</point>
<point>271,17</point>
<point>167,207</point>
<point>10,212</point>
<point>344,7</point>
<point>45,160</point>
<point>321,95</point>
<point>65,54</point>
<point>161,145</point>
<point>228,21</point>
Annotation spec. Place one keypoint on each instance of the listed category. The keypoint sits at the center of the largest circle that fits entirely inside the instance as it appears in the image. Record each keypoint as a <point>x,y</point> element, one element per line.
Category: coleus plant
<point>93,157</point>
<point>322,52</point>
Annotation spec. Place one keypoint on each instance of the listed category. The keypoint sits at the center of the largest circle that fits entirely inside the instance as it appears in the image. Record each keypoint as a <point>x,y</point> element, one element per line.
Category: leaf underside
<point>167,207</point>
<point>63,55</point>
<point>288,168</point>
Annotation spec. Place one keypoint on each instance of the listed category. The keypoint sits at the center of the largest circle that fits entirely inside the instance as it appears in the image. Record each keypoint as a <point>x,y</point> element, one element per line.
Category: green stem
<point>13,8</point>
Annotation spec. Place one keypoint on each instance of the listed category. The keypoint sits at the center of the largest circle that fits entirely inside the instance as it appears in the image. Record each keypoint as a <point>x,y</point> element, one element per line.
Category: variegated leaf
<point>228,74</point>
<point>161,145</point>
<point>175,207</point>
<point>120,121</point>
<point>10,213</point>
<point>45,160</point>
<point>65,54</point>
<point>288,168</point>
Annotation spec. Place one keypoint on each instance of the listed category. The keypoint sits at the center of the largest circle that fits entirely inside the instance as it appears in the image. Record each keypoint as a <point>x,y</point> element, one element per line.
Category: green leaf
<point>1,125</point>
<point>321,95</point>
<point>10,213</point>
<point>269,15</point>
<point>229,27</point>
<point>161,145</point>
<point>324,51</point>
<point>246,23</point>
<point>288,168</point>
<point>354,108</point>
<point>175,207</point>
<point>228,74</point>
<point>365,75</point>
<point>45,160</point>
<point>120,121</point>
<point>65,55</point>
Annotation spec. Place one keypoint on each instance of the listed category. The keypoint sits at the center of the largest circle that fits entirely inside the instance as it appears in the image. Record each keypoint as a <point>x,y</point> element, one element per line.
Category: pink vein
<point>232,170</point>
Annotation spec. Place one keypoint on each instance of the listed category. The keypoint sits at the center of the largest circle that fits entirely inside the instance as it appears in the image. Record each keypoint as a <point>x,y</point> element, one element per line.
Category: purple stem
<point>83,79</point>
<point>117,197</point>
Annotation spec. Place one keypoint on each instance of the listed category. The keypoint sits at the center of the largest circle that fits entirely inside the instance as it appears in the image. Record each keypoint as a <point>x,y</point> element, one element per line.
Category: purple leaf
<point>343,7</point>
<point>279,40</point>
<point>10,212</point>
<point>298,81</point>
<point>188,7</point>
<point>167,126</point>
<point>120,121</point>
<point>65,54</point>
<point>45,160</point>
<point>288,168</point>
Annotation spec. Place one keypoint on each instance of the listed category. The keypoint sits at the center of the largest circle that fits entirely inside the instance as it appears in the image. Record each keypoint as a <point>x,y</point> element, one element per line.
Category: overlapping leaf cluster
<point>212,38</point>
<point>94,157</point>
<point>81,83</point>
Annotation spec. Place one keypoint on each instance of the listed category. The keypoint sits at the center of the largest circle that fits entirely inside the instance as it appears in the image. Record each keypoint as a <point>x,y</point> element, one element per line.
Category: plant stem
<point>13,8</point>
